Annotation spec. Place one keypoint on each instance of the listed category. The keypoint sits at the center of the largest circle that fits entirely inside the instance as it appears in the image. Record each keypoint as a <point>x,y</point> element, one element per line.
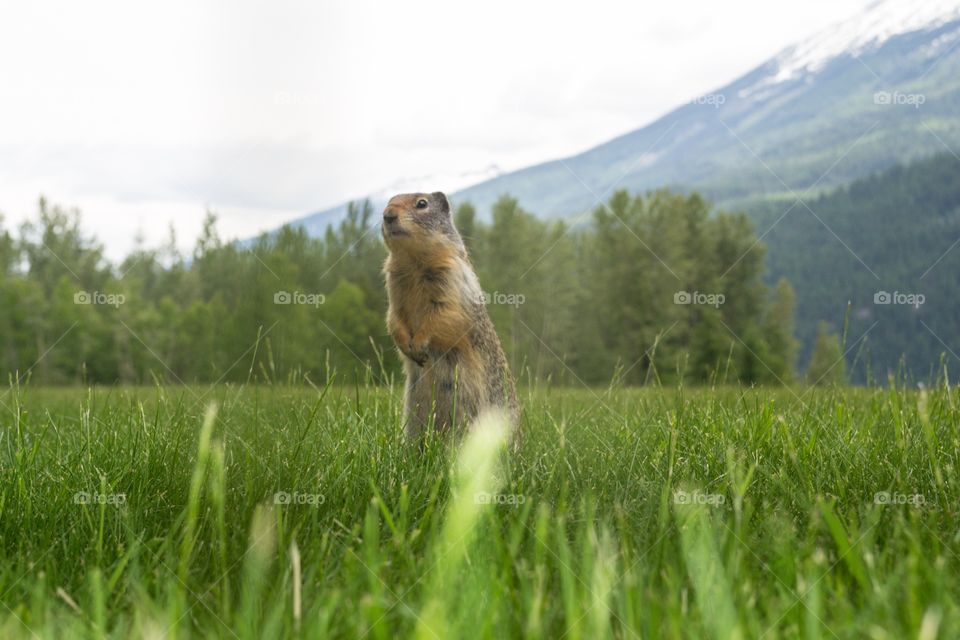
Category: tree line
<point>653,289</point>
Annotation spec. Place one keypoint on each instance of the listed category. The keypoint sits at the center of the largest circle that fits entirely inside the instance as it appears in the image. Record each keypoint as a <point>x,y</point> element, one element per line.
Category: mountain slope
<point>814,116</point>
<point>817,109</point>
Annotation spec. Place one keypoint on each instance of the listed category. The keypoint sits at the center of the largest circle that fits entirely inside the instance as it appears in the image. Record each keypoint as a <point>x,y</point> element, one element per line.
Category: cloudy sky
<point>144,116</point>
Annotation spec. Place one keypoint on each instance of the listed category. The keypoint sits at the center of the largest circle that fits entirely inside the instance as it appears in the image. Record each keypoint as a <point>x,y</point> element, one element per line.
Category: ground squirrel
<point>452,357</point>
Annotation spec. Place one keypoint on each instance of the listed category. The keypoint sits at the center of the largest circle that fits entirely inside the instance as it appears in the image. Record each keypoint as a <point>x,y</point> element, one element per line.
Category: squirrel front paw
<point>401,337</point>
<point>417,351</point>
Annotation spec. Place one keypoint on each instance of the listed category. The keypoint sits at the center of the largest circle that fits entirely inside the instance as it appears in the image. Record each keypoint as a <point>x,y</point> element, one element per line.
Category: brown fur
<point>453,361</point>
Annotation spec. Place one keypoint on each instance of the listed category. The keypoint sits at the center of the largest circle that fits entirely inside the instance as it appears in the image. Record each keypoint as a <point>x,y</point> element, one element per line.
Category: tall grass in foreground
<point>271,512</point>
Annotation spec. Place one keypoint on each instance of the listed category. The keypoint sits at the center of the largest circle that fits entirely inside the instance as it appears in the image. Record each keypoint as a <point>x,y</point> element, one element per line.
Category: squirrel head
<point>417,222</point>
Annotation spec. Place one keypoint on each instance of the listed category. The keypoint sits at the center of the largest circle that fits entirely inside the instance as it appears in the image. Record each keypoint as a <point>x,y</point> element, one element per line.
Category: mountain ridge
<point>809,117</point>
<point>738,148</point>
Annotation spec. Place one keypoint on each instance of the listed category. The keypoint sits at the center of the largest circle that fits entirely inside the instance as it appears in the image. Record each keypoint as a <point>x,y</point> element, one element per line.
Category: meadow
<point>302,512</point>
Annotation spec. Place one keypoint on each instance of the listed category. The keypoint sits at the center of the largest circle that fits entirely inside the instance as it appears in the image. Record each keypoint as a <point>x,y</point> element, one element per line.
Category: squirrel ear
<point>440,197</point>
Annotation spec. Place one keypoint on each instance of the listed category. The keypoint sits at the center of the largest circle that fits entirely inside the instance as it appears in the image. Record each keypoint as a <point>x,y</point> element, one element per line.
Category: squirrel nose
<point>389,215</point>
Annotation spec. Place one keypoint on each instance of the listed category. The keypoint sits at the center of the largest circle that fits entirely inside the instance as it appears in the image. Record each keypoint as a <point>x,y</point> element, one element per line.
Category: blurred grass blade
<point>706,570</point>
<point>475,474</point>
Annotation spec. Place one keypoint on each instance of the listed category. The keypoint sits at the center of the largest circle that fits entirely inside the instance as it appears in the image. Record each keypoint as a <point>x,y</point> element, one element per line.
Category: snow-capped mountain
<point>868,31</point>
<point>880,88</point>
<point>858,97</point>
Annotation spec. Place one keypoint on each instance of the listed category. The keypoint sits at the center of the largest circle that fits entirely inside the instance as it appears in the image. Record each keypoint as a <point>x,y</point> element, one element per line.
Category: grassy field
<point>266,512</point>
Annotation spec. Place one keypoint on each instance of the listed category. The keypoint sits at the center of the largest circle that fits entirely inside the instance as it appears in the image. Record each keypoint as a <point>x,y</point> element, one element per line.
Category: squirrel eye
<point>421,204</point>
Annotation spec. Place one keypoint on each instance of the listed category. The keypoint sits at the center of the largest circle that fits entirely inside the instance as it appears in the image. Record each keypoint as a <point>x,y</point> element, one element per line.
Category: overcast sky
<point>143,116</point>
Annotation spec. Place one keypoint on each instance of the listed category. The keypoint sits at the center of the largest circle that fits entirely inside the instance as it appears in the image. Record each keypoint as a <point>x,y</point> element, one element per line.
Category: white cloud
<point>142,116</point>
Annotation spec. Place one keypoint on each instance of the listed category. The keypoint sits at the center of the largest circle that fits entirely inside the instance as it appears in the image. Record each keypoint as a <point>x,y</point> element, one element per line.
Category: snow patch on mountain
<point>866,31</point>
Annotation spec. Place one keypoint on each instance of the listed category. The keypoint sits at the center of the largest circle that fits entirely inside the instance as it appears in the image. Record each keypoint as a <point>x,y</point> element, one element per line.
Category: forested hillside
<point>654,290</point>
<point>895,233</point>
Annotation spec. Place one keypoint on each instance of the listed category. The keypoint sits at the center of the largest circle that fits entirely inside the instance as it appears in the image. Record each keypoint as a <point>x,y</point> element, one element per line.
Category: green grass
<point>620,513</point>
